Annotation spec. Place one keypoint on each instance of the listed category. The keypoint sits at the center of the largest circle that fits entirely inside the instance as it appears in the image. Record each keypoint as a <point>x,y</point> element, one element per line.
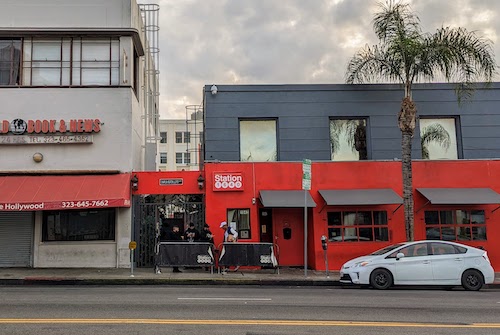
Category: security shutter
<point>16,239</point>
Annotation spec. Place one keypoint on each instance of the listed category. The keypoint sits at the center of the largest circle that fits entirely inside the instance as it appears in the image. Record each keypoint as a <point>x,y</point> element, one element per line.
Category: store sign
<point>228,181</point>
<point>171,181</point>
<point>51,205</point>
<point>19,131</point>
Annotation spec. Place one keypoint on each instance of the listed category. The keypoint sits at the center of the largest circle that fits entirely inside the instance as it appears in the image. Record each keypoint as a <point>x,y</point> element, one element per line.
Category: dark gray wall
<point>303,113</point>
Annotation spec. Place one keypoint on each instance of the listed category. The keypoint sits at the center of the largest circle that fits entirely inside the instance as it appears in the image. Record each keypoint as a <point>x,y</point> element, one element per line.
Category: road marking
<point>229,299</point>
<point>304,323</point>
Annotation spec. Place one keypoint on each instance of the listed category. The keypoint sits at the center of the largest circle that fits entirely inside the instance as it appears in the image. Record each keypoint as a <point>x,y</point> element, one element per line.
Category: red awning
<point>36,193</point>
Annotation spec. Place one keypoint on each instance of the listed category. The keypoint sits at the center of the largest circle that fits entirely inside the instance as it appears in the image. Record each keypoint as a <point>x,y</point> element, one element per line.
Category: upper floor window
<point>182,158</point>
<point>455,225</point>
<point>10,62</point>
<point>258,141</point>
<point>178,137</point>
<point>438,138</point>
<point>71,61</point>
<point>187,137</point>
<point>163,157</point>
<point>163,136</point>
<point>357,226</point>
<point>348,139</point>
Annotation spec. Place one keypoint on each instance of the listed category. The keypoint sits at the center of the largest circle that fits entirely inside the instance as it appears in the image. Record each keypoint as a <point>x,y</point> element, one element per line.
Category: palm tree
<point>434,133</point>
<point>407,55</point>
<point>354,132</point>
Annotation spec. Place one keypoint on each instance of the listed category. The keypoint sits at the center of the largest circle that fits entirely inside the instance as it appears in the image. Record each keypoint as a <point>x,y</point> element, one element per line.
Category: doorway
<point>266,225</point>
<point>289,235</point>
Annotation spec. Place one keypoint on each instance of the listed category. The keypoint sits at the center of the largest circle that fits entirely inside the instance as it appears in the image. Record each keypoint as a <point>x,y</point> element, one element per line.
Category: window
<point>187,137</point>
<point>78,225</point>
<point>455,225</point>
<point>183,158</point>
<point>10,61</point>
<point>71,61</point>
<point>239,219</point>
<point>348,139</point>
<point>163,135</point>
<point>163,157</point>
<point>357,226</point>
<point>178,137</point>
<point>438,138</point>
<point>414,250</point>
<point>258,142</point>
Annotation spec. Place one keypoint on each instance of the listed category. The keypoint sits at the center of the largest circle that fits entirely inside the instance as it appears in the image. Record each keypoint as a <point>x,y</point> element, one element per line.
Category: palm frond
<point>434,132</point>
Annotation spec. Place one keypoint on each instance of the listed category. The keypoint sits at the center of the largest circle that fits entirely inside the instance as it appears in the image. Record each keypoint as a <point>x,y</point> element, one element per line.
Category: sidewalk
<point>146,276</point>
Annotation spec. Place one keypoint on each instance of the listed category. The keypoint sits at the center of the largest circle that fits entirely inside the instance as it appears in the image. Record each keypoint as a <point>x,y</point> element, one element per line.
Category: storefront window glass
<point>240,220</point>
<point>348,140</point>
<point>78,225</point>
<point>455,225</point>
<point>258,141</point>
<point>358,226</point>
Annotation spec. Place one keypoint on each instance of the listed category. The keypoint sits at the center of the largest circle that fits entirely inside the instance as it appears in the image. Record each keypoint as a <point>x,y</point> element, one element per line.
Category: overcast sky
<point>282,41</point>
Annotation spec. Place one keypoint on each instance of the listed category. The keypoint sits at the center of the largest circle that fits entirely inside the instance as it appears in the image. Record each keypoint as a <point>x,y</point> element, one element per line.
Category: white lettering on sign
<point>228,181</point>
<point>22,207</point>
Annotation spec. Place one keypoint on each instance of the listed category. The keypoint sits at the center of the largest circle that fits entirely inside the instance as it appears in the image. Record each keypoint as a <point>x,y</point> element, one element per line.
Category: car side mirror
<point>399,255</point>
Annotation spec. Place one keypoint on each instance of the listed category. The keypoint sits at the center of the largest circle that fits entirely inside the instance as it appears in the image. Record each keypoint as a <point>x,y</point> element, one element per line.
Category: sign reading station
<point>228,181</point>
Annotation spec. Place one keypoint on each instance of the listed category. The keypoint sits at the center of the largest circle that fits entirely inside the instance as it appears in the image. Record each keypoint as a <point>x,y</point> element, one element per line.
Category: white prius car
<point>421,263</point>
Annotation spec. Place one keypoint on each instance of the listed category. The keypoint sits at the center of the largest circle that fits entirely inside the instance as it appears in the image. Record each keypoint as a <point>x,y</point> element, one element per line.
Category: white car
<point>421,263</point>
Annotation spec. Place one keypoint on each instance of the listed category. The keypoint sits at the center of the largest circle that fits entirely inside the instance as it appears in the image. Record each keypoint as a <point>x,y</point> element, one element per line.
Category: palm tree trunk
<point>407,122</point>
<point>407,184</point>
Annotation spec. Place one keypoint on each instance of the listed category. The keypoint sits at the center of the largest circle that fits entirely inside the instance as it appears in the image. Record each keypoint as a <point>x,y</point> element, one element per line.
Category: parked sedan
<point>421,263</point>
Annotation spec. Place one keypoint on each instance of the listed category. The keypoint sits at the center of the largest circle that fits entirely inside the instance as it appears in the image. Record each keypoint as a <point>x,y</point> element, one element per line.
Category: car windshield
<point>386,249</point>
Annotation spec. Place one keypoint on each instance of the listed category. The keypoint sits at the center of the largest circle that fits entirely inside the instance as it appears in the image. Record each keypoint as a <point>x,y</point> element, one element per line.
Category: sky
<point>205,42</point>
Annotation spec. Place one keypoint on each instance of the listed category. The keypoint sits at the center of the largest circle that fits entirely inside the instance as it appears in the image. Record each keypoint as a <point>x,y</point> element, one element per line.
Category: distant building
<point>181,143</point>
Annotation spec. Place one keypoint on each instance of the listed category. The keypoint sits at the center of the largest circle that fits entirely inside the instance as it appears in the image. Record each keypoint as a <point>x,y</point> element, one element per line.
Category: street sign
<point>132,245</point>
<point>306,174</point>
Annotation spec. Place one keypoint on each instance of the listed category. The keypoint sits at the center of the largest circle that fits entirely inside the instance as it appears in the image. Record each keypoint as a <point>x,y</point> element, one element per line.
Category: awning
<point>381,196</point>
<point>292,198</point>
<point>460,196</point>
<point>33,193</point>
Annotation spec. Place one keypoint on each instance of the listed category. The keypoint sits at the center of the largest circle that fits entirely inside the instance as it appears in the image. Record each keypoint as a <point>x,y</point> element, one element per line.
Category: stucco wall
<point>111,147</point>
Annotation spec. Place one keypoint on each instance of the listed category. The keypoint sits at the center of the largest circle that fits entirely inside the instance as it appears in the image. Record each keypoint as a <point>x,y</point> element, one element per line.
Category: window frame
<point>277,142</point>
<point>163,136</point>
<point>366,120</point>
<point>458,132</point>
<point>163,158</point>
<point>356,226</point>
<point>454,225</point>
<point>243,233</point>
<point>178,137</point>
<point>69,225</point>
<point>12,61</point>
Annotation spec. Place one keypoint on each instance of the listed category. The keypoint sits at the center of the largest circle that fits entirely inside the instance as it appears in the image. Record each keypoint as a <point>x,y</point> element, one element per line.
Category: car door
<point>447,263</point>
<point>415,267</point>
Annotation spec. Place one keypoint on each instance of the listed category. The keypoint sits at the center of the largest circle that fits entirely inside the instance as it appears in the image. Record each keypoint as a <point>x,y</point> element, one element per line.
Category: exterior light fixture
<point>201,182</point>
<point>38,157</point>
<point>134,183</point>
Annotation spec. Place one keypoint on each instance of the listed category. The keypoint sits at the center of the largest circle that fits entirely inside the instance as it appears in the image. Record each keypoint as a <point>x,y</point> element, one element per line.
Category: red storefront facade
<point>246,192</point>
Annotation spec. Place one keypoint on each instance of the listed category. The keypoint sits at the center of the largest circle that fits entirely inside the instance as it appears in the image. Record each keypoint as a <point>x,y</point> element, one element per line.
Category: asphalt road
<point>245,310</point>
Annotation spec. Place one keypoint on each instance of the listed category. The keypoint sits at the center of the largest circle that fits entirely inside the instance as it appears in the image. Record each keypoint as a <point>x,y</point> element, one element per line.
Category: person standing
<point>230,234</point>
<point>191,234</point>
<point>175,236</point>
<point>206,235</point>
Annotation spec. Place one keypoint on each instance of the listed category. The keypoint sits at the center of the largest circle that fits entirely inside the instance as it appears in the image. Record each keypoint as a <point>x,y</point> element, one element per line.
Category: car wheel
<point>472,280</point>
<point>381,279</point>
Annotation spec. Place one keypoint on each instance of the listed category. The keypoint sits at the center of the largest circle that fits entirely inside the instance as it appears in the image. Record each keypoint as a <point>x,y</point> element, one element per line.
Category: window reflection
<point>348,140</point>
<point>258,141</point>
<point>438,138</point>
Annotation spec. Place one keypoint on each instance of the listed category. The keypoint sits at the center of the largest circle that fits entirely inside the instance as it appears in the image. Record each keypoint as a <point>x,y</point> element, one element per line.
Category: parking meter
<point>324,243</point>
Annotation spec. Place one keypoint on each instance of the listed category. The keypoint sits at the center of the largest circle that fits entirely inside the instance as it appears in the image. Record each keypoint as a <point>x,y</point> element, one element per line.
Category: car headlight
<point>361,264</point>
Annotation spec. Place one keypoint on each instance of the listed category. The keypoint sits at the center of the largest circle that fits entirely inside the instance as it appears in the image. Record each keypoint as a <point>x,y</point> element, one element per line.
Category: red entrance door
<point>289,235</point>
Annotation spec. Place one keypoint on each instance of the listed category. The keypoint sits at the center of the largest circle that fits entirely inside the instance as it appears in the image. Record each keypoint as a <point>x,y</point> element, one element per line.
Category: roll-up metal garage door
<point>16,239</point>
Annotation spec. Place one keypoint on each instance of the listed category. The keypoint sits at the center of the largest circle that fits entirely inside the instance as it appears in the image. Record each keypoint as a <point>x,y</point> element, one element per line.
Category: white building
<point>79,95</point>
<point>181,142</point>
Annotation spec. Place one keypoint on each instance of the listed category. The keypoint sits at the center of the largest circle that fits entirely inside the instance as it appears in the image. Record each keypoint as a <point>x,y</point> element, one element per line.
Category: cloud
<point>282,42</point>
